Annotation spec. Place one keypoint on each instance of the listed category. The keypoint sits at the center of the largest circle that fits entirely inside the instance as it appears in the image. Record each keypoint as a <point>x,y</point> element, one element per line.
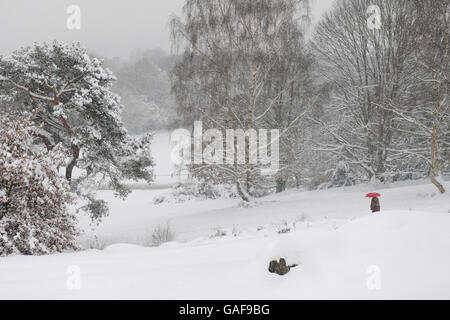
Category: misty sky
<point>108,27</point>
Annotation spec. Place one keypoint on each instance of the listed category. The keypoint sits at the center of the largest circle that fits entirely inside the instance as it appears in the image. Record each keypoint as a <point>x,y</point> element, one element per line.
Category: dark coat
<point>375,205</point>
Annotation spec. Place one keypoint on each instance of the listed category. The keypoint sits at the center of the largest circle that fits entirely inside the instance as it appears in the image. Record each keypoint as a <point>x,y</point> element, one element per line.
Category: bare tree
<point>230,75</point>
<point>373,76</point>
<point>433,21</point>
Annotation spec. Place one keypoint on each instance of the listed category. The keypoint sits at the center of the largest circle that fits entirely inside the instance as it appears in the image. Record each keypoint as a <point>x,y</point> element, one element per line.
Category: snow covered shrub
<point>34,218</point>
<point>235,231</point>
<point>219,232</point>
<point>95,243</point>
<point>317,181</point>
<point>285,227</point>
<point>162,233</point>
<point>249,204</point>
<point>197,190</point>
<point>340,176</point>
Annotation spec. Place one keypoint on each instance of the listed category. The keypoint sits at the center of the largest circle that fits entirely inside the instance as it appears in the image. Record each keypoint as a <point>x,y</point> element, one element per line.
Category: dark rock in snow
<point>280,267</point>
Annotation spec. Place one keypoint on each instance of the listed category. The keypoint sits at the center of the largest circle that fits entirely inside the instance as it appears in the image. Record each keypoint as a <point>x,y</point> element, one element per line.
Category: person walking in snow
<point>375,205</point>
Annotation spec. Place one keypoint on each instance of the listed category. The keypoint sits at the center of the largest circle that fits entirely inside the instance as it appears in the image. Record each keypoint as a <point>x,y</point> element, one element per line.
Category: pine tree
<point>76,108</point>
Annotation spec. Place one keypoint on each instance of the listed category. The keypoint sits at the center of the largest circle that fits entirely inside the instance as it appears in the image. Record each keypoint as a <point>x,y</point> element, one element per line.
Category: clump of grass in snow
<point>285,228</point>
<point>162,233</point>
<point>96,243</point>
<point>219,232</point>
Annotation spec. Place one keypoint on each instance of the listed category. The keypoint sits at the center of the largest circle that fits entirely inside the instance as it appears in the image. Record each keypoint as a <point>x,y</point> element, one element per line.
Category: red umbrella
<point>373,195</point>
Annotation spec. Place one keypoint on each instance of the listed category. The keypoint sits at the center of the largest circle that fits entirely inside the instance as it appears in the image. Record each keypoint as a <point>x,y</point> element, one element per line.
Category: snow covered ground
<point>342,250</point>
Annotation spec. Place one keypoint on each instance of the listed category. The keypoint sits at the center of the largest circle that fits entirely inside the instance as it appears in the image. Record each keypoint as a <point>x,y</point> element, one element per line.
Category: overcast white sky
<point>109,27</point>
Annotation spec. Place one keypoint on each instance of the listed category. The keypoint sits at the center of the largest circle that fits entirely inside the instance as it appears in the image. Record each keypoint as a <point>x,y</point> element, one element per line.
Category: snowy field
<point>342,250</point>
<point>271,94</point>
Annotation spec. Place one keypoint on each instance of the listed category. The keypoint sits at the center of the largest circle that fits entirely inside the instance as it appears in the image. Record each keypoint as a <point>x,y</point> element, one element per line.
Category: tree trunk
<point>250,126</point>
<point>281,185</point>
<point>240,191</point>
<point>435,161</point>
<point>72,164</point>
<point>438,84</point>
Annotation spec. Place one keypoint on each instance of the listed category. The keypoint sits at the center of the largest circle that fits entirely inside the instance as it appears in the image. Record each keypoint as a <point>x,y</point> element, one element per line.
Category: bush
<point>285,228</point>
<point>219,232</point>
<point>197,190</point>
<point>34,218</point>
<point>162,233</point>
<point>341,176</point>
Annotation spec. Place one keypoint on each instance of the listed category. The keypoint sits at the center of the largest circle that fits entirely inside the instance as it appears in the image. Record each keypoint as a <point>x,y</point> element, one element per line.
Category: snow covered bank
<point>342,250</point>
<point>133,220</point>
<point>409,251</point>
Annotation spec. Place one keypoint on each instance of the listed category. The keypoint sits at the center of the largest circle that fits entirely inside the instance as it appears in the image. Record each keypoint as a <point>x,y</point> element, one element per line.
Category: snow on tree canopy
<point>76,108</point>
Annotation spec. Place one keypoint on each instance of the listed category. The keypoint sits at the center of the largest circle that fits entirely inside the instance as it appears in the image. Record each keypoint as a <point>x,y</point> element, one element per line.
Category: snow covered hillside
<point>342,250</point>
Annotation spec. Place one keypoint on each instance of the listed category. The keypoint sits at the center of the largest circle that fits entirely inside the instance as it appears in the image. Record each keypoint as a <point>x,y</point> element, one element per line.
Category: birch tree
<point>433,20</point>
<point>229,76</point>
